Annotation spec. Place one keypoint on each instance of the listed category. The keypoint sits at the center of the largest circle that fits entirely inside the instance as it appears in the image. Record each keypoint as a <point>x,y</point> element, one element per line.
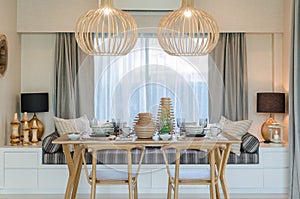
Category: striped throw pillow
<point>47,143</point>
<point>237,129</point>
<point>250,143</point>
<point>64,126</point>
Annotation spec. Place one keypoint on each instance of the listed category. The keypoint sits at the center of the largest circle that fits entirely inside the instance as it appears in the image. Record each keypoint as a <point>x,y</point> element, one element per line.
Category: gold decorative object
<point>25,132</point>
<point>25,118</point>
<point>165,116</point>
<point>106,30</point>
<point>188,31</point>
<point>144,127</point>
<point>34,132</point>
<point>40,125</point>
<point>3,55</point>
<point>15,136</point>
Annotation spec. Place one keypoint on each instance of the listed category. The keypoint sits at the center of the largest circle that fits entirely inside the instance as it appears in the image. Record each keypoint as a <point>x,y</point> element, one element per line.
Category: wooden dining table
<point>74,162</point>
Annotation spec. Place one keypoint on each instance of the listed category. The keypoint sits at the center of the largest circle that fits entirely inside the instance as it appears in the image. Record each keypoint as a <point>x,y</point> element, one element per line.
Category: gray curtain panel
<point>294,104</point>
<point>68,59</point>
<point>228,82</point>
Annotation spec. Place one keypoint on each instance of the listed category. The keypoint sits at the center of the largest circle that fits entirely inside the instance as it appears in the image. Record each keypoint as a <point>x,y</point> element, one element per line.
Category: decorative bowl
<point>74,136</point>
<point>195,131</point>
<point>165,136</point>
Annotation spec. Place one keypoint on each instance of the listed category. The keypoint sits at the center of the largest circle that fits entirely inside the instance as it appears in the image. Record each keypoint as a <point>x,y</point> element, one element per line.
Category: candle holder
<point>276,133</point>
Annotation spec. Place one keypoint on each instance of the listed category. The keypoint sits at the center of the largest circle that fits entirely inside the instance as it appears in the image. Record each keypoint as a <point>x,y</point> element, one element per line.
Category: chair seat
<point>112,176</point>
<point>192,175</point>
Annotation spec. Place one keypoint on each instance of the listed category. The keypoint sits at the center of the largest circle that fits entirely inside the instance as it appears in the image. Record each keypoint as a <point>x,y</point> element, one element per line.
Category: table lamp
<point>34,103</point>
<point>270,102</point>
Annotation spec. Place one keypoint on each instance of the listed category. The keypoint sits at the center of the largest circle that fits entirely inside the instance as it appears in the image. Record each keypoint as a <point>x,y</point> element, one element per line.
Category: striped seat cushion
<point>153,156</point>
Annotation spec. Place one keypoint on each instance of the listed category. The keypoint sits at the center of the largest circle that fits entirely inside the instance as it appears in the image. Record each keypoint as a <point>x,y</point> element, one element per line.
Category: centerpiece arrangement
<point>144,126</point>
<point>165,118</point>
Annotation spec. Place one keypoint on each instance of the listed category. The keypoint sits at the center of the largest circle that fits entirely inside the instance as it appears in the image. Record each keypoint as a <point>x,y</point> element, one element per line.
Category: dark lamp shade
<point>34,102</point>
<point>270,102</point>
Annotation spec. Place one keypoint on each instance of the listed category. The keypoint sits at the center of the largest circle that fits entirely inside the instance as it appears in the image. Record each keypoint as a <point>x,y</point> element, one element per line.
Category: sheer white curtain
<point>128,85</point>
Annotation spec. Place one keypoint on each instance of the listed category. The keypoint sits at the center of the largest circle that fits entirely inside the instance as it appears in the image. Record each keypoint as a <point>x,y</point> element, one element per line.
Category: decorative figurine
<point>26,134</point>
<point>15,136</point>
<point>34,132</point>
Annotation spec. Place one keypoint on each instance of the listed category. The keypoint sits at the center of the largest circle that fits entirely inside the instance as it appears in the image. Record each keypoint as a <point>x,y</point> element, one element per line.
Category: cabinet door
<point>21,160</point>
<point>21,179</point>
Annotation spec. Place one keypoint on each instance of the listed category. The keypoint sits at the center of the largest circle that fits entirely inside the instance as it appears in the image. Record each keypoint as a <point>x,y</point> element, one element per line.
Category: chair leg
<point>217,191</point>
<point>93,191</point>
<point>169,189</point>
<point>136,191</point>
<point>130,189</point>
<point>175,191</point>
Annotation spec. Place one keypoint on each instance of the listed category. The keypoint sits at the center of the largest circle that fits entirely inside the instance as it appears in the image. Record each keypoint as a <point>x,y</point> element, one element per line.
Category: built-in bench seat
<point>53,154</point>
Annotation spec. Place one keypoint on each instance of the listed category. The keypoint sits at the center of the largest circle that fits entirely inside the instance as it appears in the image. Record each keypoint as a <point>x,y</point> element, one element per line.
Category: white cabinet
<point>275,161</point>
<point>19,167</point>
<point>22,171</point>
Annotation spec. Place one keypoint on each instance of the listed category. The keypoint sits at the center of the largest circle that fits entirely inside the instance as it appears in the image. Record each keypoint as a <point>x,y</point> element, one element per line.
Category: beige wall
<point>10,84</point>
<point>232,15</point>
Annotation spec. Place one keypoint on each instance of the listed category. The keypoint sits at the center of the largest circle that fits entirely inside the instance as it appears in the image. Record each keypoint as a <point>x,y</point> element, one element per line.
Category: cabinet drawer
<point>276,178</point>
<point>240,178</point>
<point>20,160</point>
<point>21,179</point>
<point>275,159</point>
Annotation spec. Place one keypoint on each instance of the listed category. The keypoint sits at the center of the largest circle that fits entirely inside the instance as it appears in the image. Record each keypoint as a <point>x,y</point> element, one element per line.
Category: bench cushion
<point>154,156</point>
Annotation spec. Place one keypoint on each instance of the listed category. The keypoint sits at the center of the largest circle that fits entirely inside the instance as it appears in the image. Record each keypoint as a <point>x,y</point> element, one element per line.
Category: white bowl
<point>165,136</point>
<point>74,136</point>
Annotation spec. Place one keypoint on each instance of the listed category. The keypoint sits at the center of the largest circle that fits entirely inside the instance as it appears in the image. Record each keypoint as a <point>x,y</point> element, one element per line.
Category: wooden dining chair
<point>203,176</point>
<point>97,176</point>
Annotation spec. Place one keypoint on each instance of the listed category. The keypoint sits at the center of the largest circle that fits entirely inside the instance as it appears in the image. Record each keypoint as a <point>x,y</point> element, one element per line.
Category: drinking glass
<point>116,123</point>
<point>180,124</point>
<point>203,122</point>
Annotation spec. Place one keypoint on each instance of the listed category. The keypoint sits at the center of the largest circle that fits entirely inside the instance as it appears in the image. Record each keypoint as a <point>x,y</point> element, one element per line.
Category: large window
<point>128,85</point>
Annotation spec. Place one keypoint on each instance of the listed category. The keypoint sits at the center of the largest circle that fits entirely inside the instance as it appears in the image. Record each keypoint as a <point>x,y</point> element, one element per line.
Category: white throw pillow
<point>64,126</point>
<point>236,129</point>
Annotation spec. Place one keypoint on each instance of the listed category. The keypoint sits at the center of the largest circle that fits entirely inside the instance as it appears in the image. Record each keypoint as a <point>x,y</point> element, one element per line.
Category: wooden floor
<point>147,196</point>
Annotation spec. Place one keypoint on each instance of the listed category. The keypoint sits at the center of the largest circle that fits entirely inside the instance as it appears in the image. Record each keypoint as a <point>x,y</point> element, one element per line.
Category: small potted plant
<point>165,124</point>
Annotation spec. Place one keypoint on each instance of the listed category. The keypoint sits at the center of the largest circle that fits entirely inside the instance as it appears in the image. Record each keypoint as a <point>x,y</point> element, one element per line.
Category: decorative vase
<point>25,132</point>
<point>165,116</point>
<point>15,136</point>
<point>34,133</point>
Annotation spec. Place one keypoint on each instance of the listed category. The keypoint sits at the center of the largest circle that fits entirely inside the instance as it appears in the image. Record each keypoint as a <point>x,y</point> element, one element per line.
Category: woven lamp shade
<point>188,31</point>
<point>106,31</point>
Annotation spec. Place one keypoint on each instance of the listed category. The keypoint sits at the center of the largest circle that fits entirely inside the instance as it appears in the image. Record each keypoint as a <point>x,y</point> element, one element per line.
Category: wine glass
<point>203,122</point>
<point>180,124</point>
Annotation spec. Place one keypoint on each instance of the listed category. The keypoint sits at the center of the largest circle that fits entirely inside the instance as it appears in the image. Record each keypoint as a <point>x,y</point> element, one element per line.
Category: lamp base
<point>265,130</point>
<point>40,125</point>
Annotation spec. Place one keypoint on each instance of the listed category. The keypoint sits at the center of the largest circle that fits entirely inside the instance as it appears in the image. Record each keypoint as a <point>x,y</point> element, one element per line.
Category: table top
<point>223,138</point>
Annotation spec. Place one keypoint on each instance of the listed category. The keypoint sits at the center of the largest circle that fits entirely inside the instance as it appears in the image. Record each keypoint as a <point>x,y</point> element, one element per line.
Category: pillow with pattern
<point>237,129</point>
<point>64,126</point>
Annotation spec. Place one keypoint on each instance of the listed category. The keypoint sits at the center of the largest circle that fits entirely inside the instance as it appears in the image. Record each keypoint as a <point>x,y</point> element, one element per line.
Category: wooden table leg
<point>223,163</point>
<point>74,167</point>
<point>212,174</point>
